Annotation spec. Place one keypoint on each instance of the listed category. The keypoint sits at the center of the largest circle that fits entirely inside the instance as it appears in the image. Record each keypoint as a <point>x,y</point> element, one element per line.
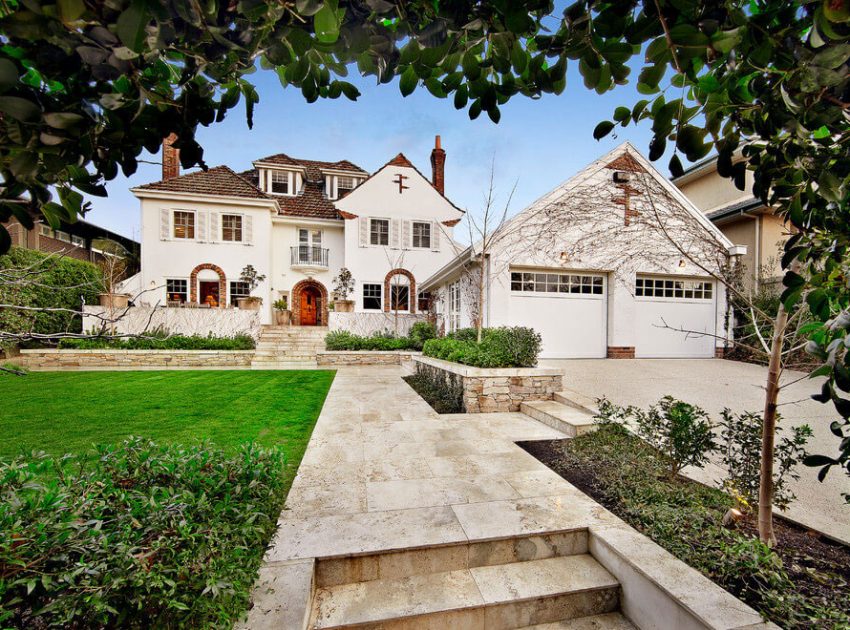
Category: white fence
<point>370,323</point>
<point>137,320</point>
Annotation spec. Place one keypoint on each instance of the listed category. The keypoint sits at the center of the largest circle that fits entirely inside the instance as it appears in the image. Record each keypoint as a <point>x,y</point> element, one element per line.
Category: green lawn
<point>68,412</point>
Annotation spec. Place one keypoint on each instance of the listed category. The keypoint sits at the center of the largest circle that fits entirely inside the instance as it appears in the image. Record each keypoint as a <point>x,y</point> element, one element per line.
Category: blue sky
<point>537,144</point>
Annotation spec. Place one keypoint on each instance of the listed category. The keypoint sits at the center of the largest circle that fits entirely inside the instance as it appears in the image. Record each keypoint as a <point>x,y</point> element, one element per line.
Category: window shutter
<point>215,232</point>
<point>164,224</point>
<point>435,236</point>
<point>395,233</point>
<point>364,231</point>
<point>406,237</point>
<point>248,229</point>
<point>201,234</point>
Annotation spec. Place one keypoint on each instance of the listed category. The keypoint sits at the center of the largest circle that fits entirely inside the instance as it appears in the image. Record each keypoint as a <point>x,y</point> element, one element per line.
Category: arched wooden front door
<point>310,305</point>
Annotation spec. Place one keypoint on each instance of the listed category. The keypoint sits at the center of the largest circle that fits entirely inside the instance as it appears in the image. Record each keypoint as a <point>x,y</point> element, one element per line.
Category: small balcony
<point>307,256</point>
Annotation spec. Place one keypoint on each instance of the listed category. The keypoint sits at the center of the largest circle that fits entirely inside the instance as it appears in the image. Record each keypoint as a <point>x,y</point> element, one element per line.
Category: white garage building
<point>615,262</point>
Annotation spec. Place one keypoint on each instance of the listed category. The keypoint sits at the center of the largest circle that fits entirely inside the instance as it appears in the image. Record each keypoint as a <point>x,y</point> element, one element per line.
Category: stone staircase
<point>542,581</point>
<point>288,347</point>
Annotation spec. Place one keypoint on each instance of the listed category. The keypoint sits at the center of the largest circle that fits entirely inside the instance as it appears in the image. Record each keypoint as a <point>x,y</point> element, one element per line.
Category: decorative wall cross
<point>625,201</point>
<point>399,179</point>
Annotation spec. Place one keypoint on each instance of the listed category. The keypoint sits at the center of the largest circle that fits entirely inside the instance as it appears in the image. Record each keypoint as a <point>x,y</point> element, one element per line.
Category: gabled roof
<point>312,168</point>
<point>217,181</point>
<point>402,161</point>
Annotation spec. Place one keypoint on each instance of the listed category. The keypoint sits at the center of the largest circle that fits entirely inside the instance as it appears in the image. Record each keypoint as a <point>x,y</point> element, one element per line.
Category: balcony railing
<point>309,256</point>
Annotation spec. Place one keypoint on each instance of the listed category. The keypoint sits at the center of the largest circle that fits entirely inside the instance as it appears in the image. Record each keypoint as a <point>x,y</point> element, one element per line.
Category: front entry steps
<point>512,583</point>
<point>565,418</point>
<point>288,347</point>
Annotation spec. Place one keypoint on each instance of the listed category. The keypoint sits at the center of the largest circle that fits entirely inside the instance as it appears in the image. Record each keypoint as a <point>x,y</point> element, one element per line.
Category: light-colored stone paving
<point>384,471</point>
<point>399,513</point>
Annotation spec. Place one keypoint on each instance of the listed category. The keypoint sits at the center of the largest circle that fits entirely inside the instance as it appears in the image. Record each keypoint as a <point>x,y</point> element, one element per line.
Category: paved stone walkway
<point>384,473</point>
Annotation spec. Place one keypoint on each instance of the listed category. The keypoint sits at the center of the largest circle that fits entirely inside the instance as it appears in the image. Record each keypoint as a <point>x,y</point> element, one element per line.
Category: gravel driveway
<point>714,384</point>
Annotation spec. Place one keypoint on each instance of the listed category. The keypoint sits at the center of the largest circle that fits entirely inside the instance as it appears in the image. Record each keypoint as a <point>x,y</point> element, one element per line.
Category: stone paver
<point>714,384</point>
<point>384,471</point>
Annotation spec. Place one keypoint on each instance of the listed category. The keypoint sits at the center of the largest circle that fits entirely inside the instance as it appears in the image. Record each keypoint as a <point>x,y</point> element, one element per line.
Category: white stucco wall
<point>579,228</point>
<point>138,320</point>
<point>379,197</point>
<point>176,258</point>
<point>284,236</point>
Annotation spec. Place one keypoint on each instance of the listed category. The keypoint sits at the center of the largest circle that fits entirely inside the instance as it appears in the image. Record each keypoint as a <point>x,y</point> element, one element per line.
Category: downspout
<point>757,253</point>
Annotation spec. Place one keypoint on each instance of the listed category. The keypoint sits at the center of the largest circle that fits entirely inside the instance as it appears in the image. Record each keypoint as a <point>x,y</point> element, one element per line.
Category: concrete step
<point>285,365</point>
<point>294,356</point>
<point>552,413</point>
<point>608,621</point>
<point>496,596</point>
<point>578,401</point>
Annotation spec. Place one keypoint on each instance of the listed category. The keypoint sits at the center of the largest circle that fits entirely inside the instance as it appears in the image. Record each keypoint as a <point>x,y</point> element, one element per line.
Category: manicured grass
<point>69,412</point>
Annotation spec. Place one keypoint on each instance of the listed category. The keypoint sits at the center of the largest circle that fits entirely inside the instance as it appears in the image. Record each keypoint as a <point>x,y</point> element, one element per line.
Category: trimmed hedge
<point>501,347</point>
<point>420,332</point>
<point>139,536</point>
<point>174,342</point>
<point>59,283</point>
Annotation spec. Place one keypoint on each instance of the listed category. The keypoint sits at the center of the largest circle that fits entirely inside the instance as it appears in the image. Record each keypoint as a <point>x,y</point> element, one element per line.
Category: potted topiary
<point>282,314</point>
<point>343,285</point>
<point>253,279</point>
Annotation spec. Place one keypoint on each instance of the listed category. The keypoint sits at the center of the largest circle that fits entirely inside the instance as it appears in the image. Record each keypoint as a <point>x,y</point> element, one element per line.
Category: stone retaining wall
<point>364,357</point>
<point>59,359</point>
<point>487,390</point>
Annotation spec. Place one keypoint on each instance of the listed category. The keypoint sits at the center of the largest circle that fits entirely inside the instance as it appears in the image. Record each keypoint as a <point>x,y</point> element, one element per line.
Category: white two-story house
<point>297,223</point>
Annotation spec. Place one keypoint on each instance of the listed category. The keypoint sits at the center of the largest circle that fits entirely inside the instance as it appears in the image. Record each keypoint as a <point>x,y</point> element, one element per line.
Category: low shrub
<point>500,347</point>
<point>420,332</point>
<point>140,536</point>
<point>162,342</point>
<point>740,448</point>
<point>440,389</point>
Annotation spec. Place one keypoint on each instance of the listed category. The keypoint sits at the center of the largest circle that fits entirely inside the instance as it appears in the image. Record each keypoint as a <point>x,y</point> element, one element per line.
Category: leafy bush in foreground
<point>157,342</point>
<point>141,536</point>
<point>505,346</point>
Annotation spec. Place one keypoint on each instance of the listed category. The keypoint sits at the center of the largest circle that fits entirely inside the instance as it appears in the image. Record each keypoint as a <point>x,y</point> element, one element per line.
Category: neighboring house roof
<point>739,207</point>
<point>218,181</point>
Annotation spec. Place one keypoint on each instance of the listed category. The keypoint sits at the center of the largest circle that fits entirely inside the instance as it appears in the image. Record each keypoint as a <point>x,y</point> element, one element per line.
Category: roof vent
<point>622,177</point>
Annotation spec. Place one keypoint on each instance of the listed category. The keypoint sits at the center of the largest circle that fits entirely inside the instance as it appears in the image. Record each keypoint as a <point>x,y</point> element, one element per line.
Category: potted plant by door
<point>282,314</point>
<point>253,279</point>
<point>343,285</point>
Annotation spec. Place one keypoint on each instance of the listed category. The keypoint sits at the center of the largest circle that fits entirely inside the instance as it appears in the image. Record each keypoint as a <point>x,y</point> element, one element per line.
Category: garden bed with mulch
<point>804,582</point>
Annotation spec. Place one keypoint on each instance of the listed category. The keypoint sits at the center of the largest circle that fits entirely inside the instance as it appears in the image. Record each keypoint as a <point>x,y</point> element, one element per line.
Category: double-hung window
<point>379,231</point>
<point>184,224</point>
<point>423,304</point>
<point>372,296</point>
<point>422,234</point>
<point>280,182</point>
<point>344,183</point>
<point>310,247</point>
<point>177,290</point>
<point>78,241</point>
<point>231,227</point>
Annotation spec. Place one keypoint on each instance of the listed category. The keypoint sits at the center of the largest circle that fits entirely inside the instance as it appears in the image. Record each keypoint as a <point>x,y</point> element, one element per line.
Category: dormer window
<point>338,186</point>
<point>280,183</point>
<point>344,184</point>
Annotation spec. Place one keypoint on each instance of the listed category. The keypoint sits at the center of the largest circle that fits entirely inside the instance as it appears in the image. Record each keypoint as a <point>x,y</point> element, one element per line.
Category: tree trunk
<point>480,323</point>
<point>768,432</point>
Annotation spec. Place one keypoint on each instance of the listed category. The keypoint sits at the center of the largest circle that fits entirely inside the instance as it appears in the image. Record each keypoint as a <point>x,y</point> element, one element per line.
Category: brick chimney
<point>438,167</point>
<point>170,158</point>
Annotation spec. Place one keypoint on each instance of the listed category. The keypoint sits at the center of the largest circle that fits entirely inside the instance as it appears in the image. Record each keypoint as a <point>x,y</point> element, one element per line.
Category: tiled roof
<point>310,202</point>
<point>219,180</point>
<point>314,168</point>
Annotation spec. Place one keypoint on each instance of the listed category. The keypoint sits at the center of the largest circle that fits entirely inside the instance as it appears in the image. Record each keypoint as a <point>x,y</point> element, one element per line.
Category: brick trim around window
<point>295,301</point>
<point>411,297</point>
<point>222,283</point>
<point>621,352</point>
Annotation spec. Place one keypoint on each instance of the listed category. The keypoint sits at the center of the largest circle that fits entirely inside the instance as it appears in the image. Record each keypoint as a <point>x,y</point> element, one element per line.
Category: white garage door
<point>567,309</point>
<point>663,303</point>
